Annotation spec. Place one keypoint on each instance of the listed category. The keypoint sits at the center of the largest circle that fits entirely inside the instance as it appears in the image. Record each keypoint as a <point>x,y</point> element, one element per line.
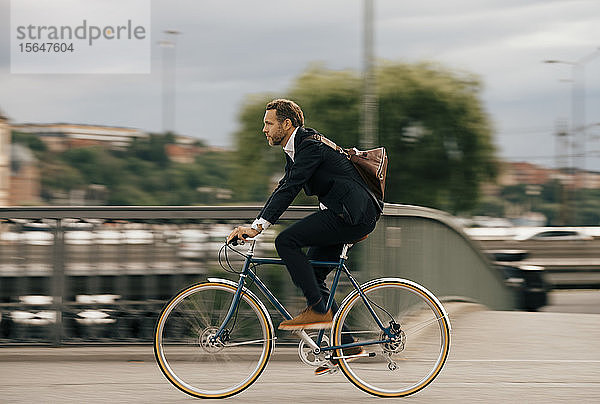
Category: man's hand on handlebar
<point>241,233</point>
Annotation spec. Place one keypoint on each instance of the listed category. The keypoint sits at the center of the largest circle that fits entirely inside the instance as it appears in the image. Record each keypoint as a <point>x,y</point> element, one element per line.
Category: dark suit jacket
<point>326,173</point>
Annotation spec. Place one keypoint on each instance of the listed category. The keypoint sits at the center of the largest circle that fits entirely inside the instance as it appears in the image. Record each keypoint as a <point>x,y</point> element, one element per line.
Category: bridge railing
<point>73,275</point>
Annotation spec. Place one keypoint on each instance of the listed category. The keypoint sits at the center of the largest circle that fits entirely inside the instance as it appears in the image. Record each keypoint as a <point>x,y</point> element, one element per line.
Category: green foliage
<point>330,101</point>
<point>586,206</point>
<point>559,205</point>
<point>257,165</point>
<point>437,135</point>
<point>430,120</point>
<point>489,206</point>
<point>140,175</point>
<point>551,211</point>
<point>61,176</point>
<point>152,149</point>
<point>514,194</point>
<point>32,141</point>
<point>96,164</point>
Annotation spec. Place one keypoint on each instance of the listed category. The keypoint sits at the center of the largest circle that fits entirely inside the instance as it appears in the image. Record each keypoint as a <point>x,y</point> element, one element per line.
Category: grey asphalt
<point>496,357</point>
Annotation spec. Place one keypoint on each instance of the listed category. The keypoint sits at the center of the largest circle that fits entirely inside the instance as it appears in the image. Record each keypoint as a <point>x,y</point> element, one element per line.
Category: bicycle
<point>213,339</point>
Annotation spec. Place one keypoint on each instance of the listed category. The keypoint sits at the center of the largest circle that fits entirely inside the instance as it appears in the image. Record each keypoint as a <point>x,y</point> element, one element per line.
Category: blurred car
<point>108,236</point>
<point>171,237</point>
<point>193,244</point>
<point>93,317</point>
<point>38,300</point>
<point>557,234</point>
<point>97,299</point>
<point>528,281</point>
<point>216,238</point>
<point>137,236</point>
<point>37,233</point>
<point>42,317</point>
<point>35,315</point>
<point>10,237</point>
<point>79,237</point>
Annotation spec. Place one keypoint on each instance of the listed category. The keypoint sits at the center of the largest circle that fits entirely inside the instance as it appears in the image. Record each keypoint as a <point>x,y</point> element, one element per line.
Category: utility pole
<point>168,80</point>
<point>369,100</point>
<point>562,148</point>
<point>578,125</point>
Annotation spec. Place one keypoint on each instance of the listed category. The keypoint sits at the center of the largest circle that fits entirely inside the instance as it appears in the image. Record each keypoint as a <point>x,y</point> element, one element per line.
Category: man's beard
<point>276,140</point>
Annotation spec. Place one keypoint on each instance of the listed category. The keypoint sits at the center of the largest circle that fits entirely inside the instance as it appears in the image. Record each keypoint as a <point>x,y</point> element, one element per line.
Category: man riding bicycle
<point>348,212</point>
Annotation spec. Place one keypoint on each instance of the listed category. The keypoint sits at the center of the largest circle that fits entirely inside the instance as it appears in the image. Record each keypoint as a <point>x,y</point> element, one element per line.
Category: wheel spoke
<point>409,361</point>
<point>417,327</point>
<point>193,360</point>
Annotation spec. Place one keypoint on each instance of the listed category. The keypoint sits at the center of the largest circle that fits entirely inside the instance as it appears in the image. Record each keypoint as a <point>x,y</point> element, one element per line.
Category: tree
<point>139,175</point>
<point>256,162</point>
<point>431,121</point>
<point>30,140</point>
<point>97,164</point>
<point>152,148</point>
<point>61,176</point>
<point>437,134</point>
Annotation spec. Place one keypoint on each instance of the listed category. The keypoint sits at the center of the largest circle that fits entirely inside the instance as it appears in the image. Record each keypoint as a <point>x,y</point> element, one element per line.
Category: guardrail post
<point>58,281</point>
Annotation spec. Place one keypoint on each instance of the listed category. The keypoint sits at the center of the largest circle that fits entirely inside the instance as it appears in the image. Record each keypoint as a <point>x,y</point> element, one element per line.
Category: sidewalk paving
<point>495,356</point>
<point>131,353</point>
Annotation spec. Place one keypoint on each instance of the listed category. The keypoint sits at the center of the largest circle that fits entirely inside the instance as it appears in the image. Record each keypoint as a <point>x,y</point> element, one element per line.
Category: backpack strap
<point>328,142</point>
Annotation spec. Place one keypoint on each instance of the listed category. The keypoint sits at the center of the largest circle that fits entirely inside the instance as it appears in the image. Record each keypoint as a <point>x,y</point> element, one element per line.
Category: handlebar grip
<point>236,240</point>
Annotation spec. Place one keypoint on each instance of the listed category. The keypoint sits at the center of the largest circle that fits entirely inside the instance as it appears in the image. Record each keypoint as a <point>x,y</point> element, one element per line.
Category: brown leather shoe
<point>308,319</point>
<point>334,364</point>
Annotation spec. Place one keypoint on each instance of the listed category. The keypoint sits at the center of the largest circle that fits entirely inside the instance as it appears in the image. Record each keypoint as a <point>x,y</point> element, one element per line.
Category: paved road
<point>573,301</point>
<point>495,357</point>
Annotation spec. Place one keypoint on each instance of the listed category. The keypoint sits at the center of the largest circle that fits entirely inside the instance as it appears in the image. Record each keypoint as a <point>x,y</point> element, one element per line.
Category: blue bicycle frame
<point>340,266</point>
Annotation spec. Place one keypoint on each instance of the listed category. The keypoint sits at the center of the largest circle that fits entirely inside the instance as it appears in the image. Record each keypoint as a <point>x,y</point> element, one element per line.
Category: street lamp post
<point>168,80</point>
<point>578,125</point>
<point>369,100</point>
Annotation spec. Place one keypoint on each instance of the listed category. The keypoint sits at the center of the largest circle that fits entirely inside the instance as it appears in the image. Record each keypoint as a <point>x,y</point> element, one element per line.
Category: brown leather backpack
<point>370,164</point>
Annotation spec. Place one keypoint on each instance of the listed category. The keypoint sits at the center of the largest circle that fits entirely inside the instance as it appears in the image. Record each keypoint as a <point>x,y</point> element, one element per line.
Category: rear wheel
<point>409,361</point>
<point>197,363</point>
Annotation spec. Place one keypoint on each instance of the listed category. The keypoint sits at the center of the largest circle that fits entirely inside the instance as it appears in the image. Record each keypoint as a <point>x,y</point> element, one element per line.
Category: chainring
<point>307,354</point>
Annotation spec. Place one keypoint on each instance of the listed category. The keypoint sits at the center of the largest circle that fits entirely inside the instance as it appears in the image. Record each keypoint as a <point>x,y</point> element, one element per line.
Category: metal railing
<point>102,274</point>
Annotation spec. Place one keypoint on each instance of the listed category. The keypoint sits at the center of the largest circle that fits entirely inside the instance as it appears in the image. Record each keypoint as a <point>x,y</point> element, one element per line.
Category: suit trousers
<point>325,233</point>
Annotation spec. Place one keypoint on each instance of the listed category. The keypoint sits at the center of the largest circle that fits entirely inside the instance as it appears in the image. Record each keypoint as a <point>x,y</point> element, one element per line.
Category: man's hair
<point>286,109</point>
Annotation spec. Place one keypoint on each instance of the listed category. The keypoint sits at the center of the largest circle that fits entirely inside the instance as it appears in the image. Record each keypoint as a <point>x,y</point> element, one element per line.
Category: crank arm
<point>248,342</point>
<point>363,355</point>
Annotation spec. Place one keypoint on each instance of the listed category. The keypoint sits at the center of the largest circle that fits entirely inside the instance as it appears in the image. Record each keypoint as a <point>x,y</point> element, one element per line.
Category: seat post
<point>344,253</point>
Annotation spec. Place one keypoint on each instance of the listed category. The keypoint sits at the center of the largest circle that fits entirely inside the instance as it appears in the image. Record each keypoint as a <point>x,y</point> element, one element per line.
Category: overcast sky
<point>229,49</point>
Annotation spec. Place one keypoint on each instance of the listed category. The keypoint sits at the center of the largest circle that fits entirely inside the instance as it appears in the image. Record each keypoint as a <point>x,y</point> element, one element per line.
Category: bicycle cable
<point>229,268</point>
<point>381,308</point>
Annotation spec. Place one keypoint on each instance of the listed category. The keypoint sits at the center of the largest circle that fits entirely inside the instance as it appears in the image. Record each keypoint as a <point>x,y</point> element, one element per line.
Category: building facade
<point>25,184</point>
<point>63,136</point>
<point>4,160</point>
<point>514,173</point>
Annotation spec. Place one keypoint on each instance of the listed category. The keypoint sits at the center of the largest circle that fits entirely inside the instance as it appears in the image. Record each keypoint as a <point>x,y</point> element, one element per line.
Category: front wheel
<point>197,363</point>
<point>415,354</point>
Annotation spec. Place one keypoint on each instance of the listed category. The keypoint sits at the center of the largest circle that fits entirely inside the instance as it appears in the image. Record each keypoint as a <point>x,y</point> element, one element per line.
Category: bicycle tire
<point>194,365</point>
<point>401,368</point>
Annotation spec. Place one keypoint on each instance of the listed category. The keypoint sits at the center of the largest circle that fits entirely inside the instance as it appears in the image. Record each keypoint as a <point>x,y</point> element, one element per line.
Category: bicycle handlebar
<point>236,240</point>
